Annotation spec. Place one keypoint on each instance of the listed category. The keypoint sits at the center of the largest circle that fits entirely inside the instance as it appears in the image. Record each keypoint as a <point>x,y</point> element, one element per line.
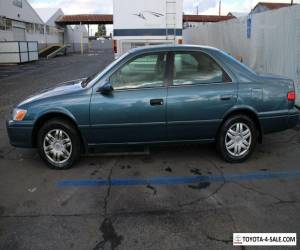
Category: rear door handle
<point>225,97</point>
<point>154,102</point>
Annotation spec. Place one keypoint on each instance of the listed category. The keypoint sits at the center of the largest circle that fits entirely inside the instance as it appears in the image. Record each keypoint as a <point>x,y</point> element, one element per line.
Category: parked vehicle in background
<point>144,23</point>
<point>154,95</point>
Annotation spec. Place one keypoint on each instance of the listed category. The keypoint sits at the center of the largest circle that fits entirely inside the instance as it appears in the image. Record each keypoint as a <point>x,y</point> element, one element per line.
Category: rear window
<point>238,62</point>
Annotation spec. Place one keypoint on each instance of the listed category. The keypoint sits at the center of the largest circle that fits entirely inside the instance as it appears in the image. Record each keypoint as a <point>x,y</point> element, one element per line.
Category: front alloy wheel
<point>57,146</point>
<point>58,143</point>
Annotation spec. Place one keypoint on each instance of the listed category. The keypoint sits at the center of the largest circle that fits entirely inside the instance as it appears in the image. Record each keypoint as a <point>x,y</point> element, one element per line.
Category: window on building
<point>142,72</point>
<point>47,29</point>
<point>8,24</point>
<point>2,23</point>
<point>18,3</point>
<point>5,24</point>
<point>39,28</point>
<point>42,29</point>
<point>29,27</point>
<point>197,68</point>
<point>52,30</point>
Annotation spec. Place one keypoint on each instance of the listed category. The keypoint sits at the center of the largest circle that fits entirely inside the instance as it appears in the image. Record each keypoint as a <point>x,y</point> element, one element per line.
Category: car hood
<point>60,89</point>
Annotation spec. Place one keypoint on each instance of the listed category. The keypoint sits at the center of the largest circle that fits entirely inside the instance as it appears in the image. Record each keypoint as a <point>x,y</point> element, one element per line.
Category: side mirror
<point>106,89</point>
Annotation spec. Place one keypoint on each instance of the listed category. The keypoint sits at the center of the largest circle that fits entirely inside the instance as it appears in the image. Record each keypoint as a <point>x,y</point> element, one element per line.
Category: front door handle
<point>225,97</point>
<point>154,102</point>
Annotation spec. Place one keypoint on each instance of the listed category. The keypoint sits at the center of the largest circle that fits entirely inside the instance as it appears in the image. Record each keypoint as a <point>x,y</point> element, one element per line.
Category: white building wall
<point>45,39</point>
<point>54,17</point>
<point>18,15</point>
<point>74,35</point>
<point>55,34</point>
<point>272,48</point>
<point>24,14</point>
<point>6,35</point>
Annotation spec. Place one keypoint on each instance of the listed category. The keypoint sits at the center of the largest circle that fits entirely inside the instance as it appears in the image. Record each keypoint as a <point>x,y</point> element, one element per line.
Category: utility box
<point>141,23</point>
<point>18,52</point>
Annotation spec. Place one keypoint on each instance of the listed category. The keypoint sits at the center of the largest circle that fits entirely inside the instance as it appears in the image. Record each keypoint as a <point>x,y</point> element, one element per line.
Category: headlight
<point>19,114</point>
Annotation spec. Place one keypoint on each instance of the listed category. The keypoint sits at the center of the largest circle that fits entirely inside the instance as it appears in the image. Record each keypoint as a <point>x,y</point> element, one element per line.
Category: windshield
<point>95,77</point>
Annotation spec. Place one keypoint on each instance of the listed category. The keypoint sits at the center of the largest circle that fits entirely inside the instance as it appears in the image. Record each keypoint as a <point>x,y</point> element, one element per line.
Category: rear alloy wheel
<point>237,138</point>
<point>58,144</point>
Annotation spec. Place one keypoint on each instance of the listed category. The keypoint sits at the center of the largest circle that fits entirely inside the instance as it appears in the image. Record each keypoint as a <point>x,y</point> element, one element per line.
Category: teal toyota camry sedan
<point>156,95</point>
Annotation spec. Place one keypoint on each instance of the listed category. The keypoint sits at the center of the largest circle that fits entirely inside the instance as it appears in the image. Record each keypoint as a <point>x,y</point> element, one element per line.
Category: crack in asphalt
<point>156,212</point>
<point>209,237</point>
<point>202,198</point>
<point>108,192</point>
<point>4,153</point>
<point>107,229</point>
<point>211,194</point>
<point>235,227</point>
<point>110,236</point>
<point>279,200</point>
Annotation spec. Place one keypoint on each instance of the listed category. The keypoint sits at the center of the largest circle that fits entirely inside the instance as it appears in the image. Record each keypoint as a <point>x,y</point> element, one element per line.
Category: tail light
<point>115,46</point>
<point>291,96</point>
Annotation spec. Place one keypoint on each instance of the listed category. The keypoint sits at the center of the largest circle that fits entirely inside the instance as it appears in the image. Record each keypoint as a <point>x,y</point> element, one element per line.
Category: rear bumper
<point>294,118</point>
<point>20,134</point>
<point>276,123</point>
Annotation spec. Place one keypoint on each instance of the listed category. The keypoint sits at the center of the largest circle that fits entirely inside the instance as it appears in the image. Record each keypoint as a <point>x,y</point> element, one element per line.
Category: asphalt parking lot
<point>172,197</point>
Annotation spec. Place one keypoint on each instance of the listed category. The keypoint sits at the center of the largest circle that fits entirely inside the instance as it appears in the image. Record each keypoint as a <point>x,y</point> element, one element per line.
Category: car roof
<point>171,47</point>
<point>223,57</point>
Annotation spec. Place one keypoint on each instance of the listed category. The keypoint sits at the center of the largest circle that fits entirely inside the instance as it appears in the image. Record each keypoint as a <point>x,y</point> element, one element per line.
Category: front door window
<point>146,71</point>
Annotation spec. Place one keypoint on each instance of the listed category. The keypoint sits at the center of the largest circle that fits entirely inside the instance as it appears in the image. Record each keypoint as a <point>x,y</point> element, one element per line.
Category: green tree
<point>101,31</point>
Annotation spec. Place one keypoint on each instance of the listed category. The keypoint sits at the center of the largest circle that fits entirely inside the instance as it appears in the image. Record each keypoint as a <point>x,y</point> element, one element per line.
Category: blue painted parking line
<point>180,180</point>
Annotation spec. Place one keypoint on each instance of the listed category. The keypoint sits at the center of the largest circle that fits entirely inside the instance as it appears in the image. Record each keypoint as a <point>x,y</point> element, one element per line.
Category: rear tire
<point>58,143</point>
<point>237,138</point>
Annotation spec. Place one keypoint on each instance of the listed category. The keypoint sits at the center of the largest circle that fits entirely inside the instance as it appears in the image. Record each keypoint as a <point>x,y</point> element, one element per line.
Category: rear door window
<point>197,68</point>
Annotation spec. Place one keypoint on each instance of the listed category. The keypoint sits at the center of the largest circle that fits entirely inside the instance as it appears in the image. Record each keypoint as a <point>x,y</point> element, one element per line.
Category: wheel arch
<point>51,115</point>
<point>248,112</point>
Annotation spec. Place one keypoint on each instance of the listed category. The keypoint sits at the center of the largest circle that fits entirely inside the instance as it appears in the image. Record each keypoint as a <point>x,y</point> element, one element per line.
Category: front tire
<point>237,138</point>
<point>58,144</point>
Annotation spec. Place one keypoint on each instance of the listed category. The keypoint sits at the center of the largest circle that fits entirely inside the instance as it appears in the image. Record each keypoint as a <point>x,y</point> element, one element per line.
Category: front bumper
<point>20,133</point>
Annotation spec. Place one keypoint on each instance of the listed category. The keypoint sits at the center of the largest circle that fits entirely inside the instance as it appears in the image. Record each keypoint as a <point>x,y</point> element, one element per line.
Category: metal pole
<point>220,8</point>
<point>81,40</point>
<point>44,35</point>
<point>292,2</point>
<point>89,42</point>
